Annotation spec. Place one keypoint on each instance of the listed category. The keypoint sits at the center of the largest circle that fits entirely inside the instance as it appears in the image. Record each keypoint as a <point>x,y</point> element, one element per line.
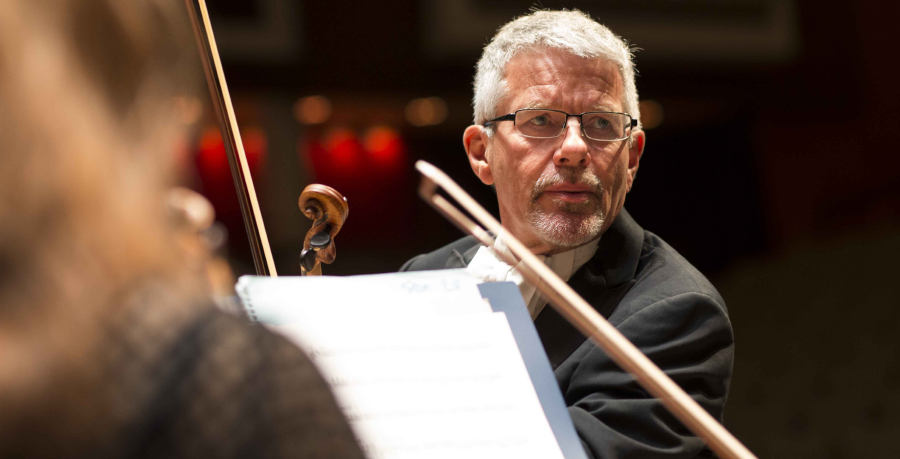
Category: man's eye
<point>600,123</point>
<point>539,120</point>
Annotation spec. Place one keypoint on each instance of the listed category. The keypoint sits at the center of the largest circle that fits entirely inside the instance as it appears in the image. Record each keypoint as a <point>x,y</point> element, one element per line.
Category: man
<point>557,132</point>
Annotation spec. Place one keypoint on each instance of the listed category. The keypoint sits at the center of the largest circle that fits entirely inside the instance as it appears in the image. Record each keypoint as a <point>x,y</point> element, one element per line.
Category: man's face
<point>558,193</point>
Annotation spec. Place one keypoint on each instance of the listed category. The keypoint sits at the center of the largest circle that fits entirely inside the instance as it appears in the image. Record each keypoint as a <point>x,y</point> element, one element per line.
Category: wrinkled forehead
<point>555,78</point>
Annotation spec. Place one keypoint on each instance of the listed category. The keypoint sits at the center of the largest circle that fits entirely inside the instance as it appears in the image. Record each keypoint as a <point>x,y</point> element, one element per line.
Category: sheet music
<point>448,387</point>
<point>282,300</point>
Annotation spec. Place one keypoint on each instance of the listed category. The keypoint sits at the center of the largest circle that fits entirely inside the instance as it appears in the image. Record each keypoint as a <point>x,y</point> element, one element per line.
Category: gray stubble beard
<point>569,226</point>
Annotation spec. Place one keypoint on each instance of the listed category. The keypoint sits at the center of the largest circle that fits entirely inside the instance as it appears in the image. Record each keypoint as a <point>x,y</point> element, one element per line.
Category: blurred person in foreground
<point>557,133</point>
<point>109,346</point>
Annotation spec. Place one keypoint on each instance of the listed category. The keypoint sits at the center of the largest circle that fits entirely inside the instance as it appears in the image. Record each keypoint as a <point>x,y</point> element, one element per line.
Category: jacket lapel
<point>461,260</point>
<point>602,282</point>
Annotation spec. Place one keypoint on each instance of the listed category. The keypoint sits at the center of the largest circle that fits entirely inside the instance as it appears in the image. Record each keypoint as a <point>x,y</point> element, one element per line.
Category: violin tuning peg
<point>320,240</point>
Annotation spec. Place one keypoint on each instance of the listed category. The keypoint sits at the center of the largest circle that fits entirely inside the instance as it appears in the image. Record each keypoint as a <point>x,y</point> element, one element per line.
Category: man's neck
<point>543,248</point>
<point>565,249</point>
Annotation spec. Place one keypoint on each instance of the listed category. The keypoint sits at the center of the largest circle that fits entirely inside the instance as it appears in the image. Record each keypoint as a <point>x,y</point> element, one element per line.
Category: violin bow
<point>231,137</point>
<point>578,312</point>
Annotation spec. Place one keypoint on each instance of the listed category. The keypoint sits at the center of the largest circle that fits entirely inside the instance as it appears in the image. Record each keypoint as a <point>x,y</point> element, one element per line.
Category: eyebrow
<point>531,105</point>
<point>605,108</point>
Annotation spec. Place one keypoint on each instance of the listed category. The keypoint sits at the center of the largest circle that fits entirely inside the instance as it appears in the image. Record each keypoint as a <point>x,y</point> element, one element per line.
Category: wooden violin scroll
<point>328,210</point>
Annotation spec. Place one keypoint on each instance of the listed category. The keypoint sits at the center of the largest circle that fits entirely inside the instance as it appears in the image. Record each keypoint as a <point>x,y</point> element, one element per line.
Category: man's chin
<point>565,229</point>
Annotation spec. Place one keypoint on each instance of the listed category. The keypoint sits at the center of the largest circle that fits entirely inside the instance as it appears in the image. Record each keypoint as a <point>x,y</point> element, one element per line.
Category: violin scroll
<point>328,210</point>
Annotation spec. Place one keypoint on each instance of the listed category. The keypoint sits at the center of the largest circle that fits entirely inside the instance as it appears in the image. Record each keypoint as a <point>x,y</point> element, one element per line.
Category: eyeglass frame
<point>512,117</point>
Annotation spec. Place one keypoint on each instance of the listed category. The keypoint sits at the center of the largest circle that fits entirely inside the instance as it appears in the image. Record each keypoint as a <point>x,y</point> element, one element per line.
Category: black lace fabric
<point>178,382</point>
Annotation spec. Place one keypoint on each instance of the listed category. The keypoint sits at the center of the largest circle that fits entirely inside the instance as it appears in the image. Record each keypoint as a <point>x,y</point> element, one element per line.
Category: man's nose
<point>574,150</point>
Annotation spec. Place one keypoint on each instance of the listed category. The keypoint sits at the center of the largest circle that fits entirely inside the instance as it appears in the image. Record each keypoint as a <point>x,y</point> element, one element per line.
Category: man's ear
<point>475,140</point>
<point>635,150</point>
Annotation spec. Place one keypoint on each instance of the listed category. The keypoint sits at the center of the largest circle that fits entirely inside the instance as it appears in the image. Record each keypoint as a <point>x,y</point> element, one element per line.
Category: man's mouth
<point>568,192</point>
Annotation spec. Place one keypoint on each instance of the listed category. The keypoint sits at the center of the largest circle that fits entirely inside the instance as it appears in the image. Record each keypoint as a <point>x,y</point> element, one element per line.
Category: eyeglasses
<point>540,123</point>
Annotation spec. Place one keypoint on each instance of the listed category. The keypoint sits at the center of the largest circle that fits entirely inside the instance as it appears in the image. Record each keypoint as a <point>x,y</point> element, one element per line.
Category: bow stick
<point>231,137</point>
<point>578,312</point>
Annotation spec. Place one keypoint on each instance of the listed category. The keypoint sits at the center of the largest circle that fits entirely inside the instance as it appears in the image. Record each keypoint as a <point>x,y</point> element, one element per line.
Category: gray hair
<point>572,31</point>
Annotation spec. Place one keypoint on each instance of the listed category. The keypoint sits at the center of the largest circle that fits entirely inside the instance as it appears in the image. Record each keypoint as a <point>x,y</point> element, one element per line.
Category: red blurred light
<point>215,172</point>
<point>368,170</point>
<point>211,152</point>
<point>343,149</point>
<point>384,145</point>
<point>256,145</point>
<point>211,159</point>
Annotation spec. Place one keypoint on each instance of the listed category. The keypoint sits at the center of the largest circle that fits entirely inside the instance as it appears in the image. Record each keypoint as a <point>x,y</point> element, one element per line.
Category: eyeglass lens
<point>548,123</point>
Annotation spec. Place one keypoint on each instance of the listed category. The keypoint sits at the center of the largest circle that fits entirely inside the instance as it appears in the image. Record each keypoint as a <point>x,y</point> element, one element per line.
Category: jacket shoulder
<point>662,272</point>
<point>438,259</point>
<point>675,317</point>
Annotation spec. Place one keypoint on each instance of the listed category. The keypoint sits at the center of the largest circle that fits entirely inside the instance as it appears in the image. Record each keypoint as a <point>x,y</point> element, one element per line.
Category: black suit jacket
<point>665,307</point>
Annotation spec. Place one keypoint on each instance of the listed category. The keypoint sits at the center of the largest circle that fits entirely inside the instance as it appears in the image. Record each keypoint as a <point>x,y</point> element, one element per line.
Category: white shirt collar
<point>488,268</point>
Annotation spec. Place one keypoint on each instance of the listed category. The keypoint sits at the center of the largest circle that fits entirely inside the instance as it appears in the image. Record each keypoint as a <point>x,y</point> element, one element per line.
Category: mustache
<point>567,176</point>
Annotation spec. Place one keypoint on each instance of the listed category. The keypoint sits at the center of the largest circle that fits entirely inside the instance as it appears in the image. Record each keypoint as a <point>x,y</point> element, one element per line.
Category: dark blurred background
<point>771,164</point>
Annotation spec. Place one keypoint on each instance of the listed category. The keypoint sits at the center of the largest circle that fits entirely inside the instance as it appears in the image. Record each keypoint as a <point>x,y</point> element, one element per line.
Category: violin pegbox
<point>328,209</point>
